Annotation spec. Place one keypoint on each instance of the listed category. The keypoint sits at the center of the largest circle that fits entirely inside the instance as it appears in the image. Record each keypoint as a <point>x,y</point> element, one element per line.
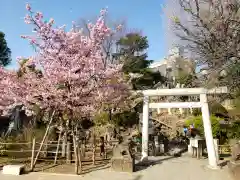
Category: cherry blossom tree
<point>73,75</point>
<point>67,74</point>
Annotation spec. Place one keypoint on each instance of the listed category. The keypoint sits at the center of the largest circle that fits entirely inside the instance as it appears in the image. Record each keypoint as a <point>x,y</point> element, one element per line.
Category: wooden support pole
<point>58,144</point>
<point>94,149</point>
<point>33,153</point>
<point>44,138</point>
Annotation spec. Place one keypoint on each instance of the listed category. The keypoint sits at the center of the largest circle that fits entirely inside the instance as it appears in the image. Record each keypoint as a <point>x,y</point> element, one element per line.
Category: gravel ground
<point>164,168</point>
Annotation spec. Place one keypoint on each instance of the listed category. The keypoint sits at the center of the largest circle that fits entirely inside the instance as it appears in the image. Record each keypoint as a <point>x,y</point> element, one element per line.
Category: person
<point>102,148</point>
<point>185,130</point>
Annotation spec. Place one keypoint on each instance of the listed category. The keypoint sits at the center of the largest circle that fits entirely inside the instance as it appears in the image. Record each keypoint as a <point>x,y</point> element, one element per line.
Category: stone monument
<point>123,159</point>
<point>234,164</point>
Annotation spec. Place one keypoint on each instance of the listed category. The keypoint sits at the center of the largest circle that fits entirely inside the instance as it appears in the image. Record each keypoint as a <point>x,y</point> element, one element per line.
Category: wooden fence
<point>25,152</point>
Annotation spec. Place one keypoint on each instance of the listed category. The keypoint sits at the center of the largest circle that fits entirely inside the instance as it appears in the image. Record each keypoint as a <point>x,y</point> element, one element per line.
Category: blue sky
<point>139,14</point>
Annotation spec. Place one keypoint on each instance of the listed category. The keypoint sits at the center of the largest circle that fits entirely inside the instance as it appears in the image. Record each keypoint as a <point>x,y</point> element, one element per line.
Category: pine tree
<point>5,52</point>
<point>132,51</point>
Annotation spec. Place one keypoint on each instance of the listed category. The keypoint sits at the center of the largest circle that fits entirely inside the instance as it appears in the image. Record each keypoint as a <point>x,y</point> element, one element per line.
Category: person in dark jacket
<point>102,147</point>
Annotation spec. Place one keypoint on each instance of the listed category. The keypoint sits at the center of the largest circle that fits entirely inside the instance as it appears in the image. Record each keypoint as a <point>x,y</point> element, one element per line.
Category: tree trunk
<point>44,138</point>
<point>80,159</point>
<point>69,151</point>
<point>83,149</point>
<point>64,143</point>
<point>76,154</point>
<point>45,147</point>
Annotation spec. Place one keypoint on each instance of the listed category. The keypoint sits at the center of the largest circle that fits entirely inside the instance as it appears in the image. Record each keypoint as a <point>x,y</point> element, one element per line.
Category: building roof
<point>158,63</point>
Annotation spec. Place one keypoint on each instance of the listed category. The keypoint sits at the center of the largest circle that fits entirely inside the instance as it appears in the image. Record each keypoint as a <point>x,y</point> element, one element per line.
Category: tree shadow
<point>224,163</point>
<point>45,167</point>
<point>138,177</point>
<point>97,167</point>
<point>139,166</point>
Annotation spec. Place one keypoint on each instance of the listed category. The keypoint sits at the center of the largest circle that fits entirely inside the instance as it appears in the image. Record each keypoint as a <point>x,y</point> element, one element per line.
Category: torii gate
<point>203,104</point>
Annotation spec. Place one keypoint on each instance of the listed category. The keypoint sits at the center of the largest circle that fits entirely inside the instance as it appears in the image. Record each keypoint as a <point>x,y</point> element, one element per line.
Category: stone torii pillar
<point>212,156</point>
<point>145,133</point>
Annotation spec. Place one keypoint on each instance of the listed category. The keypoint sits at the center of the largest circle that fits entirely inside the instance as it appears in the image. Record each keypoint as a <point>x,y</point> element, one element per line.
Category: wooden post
<point>76,154</point>
<point>94,149</point>
<point>44,138</point>
<point>58,144</point>
<point>33,153</point>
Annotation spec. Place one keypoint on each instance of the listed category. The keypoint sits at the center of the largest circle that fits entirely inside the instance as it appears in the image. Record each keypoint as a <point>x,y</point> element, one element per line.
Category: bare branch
<point>211,30</point>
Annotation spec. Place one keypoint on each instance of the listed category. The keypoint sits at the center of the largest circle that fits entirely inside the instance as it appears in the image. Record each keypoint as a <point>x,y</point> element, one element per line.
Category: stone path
<point>183,168</point>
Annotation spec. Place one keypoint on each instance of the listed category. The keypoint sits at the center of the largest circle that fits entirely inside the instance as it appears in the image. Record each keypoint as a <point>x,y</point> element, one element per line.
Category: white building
<point>171,65</point>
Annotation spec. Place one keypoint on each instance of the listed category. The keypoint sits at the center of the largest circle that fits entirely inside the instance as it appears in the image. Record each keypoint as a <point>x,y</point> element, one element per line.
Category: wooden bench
<point>13,169</point>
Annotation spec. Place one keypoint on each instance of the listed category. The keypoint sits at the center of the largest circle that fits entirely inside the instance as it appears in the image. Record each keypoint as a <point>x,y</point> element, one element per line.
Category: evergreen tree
<point>5,52</point>
<point>132,50</point>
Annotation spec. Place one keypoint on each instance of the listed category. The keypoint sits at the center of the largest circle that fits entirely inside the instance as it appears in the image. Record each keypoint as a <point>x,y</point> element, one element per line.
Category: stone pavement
<point>182,168</point>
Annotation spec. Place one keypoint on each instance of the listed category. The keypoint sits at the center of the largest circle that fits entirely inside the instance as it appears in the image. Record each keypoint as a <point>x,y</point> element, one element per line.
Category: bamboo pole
<point>44,138</point>
<point>33,153</point>
<point>58,144</point>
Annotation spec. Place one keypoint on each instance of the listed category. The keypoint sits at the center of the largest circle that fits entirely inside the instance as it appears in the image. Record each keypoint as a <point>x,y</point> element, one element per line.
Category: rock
<point>122,159</point>
<point>234,169</point>
<point>234,164</point>
<point>176,152</point>
<point>13,169</point>
<point>236,152</point>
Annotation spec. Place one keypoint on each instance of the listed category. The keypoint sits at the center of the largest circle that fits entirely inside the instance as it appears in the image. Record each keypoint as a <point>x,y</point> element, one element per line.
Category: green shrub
<point>101,118</point>
<point>217,109</point>
<point>198,123</point>
<point>234,130</point>
<point>197,112</point>
<point>125,119</point>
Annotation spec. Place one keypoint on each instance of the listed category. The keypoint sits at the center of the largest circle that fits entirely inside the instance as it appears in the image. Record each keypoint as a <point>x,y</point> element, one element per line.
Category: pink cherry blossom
<point>67,73</point>
<point>28,7</point>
